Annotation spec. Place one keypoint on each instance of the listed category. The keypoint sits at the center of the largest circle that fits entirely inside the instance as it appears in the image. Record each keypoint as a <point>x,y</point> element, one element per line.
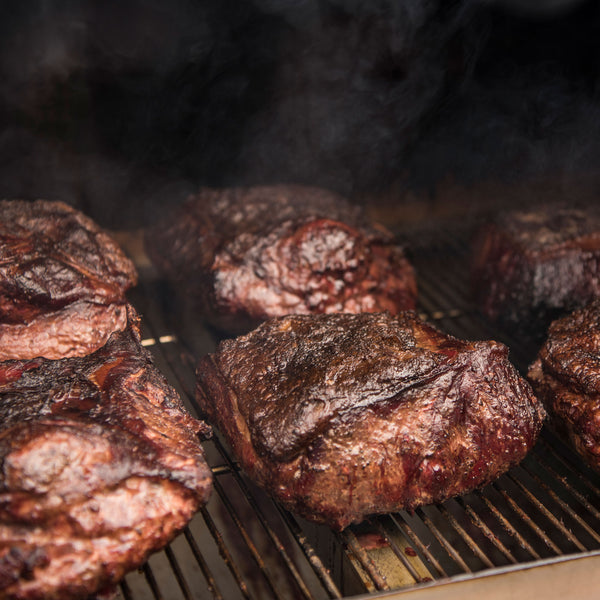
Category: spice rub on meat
<point>62,281</point>
<point>345,415</point>
<point>248,254</point>
<point>566,377</point>
<point>100,466</point>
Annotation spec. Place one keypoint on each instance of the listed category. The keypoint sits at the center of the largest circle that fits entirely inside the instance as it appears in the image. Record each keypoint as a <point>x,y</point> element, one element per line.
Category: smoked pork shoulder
<point>345,415</point>
<point>244,255</point>
<point>566,377</point>
<point>100,466</point>
<point>533,266</point>
<point>62,281</point>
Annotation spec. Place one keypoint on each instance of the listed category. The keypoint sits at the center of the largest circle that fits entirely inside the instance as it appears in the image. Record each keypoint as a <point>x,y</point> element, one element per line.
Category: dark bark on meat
<point>566,377</point>
<point>535,266</point>
<point>342,416</point>
<point>100,466</point>
<point>62,282</point>
<point>248,254</point>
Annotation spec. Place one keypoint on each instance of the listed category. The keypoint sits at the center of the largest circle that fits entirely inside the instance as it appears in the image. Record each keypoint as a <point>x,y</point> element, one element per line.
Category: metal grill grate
<point>243,545</point>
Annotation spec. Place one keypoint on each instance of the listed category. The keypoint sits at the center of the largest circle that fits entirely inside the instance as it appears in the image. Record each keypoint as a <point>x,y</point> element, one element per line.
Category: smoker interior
<point>544,512</point>
<point>425,111</point>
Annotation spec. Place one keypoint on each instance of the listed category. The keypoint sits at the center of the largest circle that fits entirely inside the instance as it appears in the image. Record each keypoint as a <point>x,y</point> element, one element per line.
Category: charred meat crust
<point>100,466</point>
<point>341,416</point>
<point>566,377</point>
<point>248,254</point>
<point>56,266</point>
<point>537,265</point>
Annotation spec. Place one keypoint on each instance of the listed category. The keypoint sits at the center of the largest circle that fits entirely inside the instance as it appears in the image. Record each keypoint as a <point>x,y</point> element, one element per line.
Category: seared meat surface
<point>536,265</point>
<point>345,415</point>
<point>248,254</point>
<point>100,466</point>
<point>566,377</point>
<point>62,281</point>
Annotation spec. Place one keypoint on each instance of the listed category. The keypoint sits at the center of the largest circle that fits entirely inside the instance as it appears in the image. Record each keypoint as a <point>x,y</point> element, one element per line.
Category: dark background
<point>413,108</point>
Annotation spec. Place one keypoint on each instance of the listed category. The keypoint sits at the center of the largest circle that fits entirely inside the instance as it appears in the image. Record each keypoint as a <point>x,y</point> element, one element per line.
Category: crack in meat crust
<point>61,278</point>
<point>342,416</point>
<point>100,466</point>
<point>248,254</point>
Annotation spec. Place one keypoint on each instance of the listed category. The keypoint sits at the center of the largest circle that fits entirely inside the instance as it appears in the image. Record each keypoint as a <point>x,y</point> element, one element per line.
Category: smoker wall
<point>119,107</point>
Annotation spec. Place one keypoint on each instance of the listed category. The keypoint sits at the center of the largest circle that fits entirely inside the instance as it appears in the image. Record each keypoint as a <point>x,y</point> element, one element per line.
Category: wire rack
<point>244,545</point>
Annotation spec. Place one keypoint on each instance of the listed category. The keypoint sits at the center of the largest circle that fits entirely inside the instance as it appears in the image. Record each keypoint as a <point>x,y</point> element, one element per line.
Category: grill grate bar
<point>181,580</point>
<point>149,575</point>
<point>466,537</point>
<point>441,294</point>
<point>570,511</point>
<point>248,495</point>
<point>223,550</point>
<point>507,525</point>
<point>548,513</point>
<point>210,579</point>
<point>489,534</point>
<point>527,519</point>
<point>364,559</point>
<point>573,467</point>
<point>310,553</point>
<point>322,573</point>
<point>125,590</point>
<point>398,552</point>
<point>273,536</point>
<point>415,540</point>
<point>452,552</point>
<point>256,555</point>
<point>449,290</point>
<point>222,469</point>
<point>578,495</point>
<point>427,302</point>
<point>233,513</point>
